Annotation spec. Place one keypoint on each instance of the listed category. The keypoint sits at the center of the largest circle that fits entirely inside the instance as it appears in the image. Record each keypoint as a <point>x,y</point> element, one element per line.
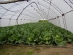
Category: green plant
<point>35,34</point>
<point>43,20</point>
<point>30,52</point>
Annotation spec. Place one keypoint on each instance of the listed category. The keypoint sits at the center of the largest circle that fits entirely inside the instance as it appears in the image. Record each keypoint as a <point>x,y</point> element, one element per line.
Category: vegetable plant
<point>38,33</point>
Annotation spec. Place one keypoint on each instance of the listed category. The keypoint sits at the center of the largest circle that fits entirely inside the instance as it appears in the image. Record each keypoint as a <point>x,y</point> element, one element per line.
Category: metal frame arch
<point>25,8</point>
<point>48,8</point>
<point>71,1</point>
<point>8,9</point>
<point>55,7</point>
<point>68,4</point>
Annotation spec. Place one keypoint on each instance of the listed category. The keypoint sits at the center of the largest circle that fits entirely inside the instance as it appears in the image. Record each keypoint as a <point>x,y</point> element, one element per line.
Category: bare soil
<point>38,50</point>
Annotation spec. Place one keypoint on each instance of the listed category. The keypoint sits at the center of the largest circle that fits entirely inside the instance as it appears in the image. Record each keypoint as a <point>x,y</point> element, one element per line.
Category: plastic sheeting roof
<point>35,9</point>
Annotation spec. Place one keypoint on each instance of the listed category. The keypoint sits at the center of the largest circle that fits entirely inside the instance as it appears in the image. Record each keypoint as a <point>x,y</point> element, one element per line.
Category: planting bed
<point>35,34</point>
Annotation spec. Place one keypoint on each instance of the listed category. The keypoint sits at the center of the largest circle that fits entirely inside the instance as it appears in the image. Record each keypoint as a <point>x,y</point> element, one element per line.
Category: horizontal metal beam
<point>6,2</point>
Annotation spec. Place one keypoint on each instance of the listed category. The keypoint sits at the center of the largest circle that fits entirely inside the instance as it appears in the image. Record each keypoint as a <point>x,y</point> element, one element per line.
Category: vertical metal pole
<point>0,22</point>
<point>65,22</point>
<point>9,21</point>
<point>48,9</point>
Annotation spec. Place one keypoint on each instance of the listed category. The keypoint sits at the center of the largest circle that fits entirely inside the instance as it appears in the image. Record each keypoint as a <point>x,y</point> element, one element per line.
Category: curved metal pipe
<point>25,8</point>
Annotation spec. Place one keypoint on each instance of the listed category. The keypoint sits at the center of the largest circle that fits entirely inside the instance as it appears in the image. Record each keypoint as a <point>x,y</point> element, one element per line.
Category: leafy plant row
<point>35,34</point>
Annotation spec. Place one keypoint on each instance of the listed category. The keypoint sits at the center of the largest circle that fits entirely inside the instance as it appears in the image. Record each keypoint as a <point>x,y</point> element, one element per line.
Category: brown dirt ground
<point>39,50</point>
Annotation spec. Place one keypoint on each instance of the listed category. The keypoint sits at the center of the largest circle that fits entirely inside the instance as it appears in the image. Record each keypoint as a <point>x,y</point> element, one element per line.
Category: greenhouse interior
<point>36,27</point>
